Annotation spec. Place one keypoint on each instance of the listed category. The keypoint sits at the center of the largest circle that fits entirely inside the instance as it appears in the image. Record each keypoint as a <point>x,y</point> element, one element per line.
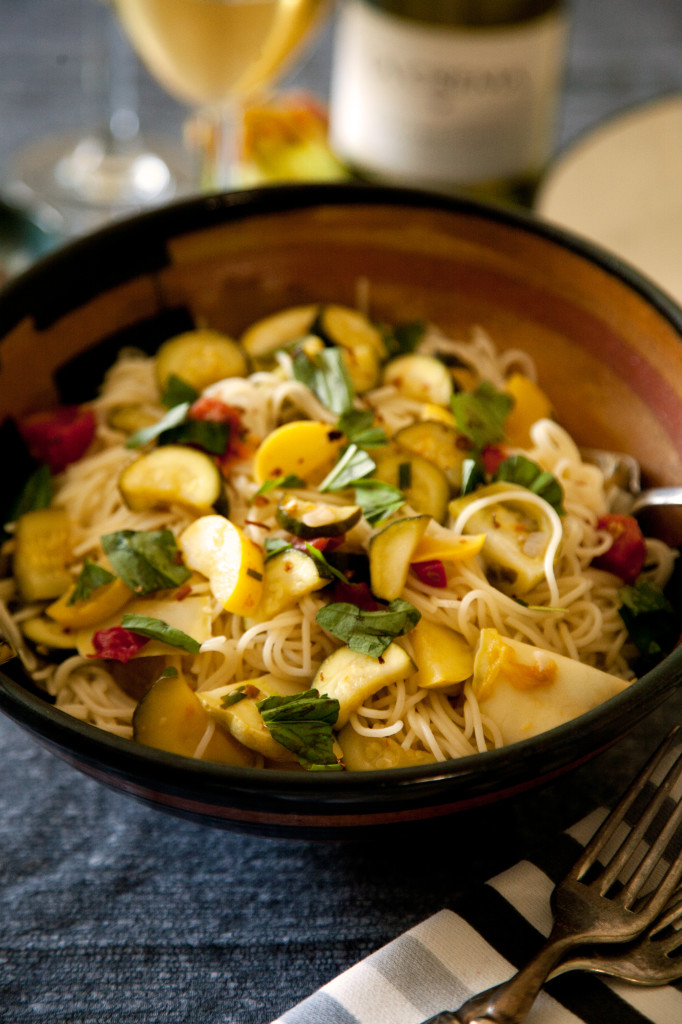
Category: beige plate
<point>621,186</point>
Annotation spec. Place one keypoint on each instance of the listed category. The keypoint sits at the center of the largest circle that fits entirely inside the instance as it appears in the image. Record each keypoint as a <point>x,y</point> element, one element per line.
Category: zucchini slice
<point>171,475</point>
<point>424,378</point>
<point>437,442</point>
<point>424,485</point>
<point>391,552</point>
<point>308,519</point>
<point>171,717</point>
<point>200,358</point>
<point>281,330</point>
<point>372,753</point>
<point>130,417</point>
<point>287,576</point>
<point>342,325</point>
<point>351,677</point>
<point>42,551</point>
<point>243,719</point>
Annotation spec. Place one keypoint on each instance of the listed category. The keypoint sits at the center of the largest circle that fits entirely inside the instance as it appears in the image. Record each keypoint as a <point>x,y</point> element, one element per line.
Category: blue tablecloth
<point>113,912</point>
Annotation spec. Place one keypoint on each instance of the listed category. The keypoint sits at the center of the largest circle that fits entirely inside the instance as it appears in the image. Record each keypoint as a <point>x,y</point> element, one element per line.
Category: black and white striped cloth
<point>488,935</point>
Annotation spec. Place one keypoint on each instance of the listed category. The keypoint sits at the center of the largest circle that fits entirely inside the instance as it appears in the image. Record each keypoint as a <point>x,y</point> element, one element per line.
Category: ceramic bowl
<point>608,350</point>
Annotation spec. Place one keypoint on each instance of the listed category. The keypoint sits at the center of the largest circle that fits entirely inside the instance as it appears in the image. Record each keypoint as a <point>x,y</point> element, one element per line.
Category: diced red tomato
<point>217,411</point>
<point>432,572</point>
<point>117,643</point>
<point>627,554</point>
<point>493,455</point>
<point>358,594</point>
<point>60,436</point>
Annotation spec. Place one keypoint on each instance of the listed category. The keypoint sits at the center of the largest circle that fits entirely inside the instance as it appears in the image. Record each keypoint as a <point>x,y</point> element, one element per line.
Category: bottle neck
<point>472,13</point>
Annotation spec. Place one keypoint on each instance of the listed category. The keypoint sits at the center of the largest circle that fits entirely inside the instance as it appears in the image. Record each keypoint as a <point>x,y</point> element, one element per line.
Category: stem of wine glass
<point>217,139</point>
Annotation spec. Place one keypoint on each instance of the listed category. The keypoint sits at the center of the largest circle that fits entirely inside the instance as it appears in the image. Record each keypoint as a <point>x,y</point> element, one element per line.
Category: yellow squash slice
<point>171,475</point>
<point>231,561</point>
<point>304,448</point>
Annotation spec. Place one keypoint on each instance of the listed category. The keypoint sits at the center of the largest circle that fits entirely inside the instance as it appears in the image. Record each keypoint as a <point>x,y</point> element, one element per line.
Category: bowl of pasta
<point>303,529</point>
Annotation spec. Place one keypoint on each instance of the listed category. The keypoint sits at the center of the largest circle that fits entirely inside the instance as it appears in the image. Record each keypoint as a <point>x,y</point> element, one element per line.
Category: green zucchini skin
<point>327,520</point>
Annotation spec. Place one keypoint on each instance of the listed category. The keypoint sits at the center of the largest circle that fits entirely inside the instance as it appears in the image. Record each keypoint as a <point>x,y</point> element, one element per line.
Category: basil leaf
<point>173,418</point>
<point>145,559</point>
<point>480,414</point>
<point>358,426</point>
<point>404,338</point>
<point>473,475</point>
<point>273,545</point>
<point>650,621</point>
<point>36,493</point>
<point>303,724</point>
<point>324,568</point>
<point>291,480</point>
<point>327,377</point>
<point>209,435</point>
<point>368,632</point>
<point>352,466</point>
<point>176,391</point>
<point>91,577</point>
<point>518,469</point>
<point>157,629</point>
<point>377,499</point>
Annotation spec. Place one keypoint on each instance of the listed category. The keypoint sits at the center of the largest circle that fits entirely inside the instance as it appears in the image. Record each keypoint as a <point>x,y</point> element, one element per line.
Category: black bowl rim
<point>542,754</point>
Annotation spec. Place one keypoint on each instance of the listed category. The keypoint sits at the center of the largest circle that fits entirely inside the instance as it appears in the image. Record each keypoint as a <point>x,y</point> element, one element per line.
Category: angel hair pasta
<point>328,545</point>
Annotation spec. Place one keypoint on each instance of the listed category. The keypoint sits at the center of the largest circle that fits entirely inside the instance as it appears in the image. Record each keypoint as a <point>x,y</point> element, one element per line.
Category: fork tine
<point>614,820</point>
<point>652,858</point>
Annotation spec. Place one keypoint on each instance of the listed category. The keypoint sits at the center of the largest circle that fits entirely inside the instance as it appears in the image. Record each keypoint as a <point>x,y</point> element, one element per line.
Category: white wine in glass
<point>216,55</point>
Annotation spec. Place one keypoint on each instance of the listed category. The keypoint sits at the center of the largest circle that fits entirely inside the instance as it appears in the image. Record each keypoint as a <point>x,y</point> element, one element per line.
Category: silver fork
<point>648,960</point>
<point>612,905</point>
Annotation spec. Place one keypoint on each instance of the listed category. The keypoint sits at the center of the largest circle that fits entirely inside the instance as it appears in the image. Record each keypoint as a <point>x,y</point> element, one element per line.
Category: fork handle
<point>510,1002</point>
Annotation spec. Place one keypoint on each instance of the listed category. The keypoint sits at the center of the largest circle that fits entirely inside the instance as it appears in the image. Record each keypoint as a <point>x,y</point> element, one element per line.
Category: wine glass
<point>217,55</point>
<point>82,179</point>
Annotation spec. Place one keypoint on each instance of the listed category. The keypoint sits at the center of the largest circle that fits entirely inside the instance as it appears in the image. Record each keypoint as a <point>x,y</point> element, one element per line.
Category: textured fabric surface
<point>113,913</point>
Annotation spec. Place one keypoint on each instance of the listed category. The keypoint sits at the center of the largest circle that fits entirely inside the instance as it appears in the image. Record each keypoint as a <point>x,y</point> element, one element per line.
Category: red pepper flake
<point>60,436</point>
<point>432,572</point>
<point>117,644</point>
<point>216,411</point>
<point>183,592</point>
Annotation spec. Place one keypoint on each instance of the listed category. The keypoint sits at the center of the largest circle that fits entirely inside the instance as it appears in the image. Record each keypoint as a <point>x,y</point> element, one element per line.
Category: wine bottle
<point>449,95</point>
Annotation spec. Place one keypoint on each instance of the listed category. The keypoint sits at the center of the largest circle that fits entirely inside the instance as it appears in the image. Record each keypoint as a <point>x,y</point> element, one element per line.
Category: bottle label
<point>423,103</point>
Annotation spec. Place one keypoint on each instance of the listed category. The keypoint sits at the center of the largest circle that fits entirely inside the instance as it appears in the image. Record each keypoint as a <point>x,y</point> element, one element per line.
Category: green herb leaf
<point>208,435</point>
<point>404,338</point>
<point>157,629</point>
<point>353,465</point>
<point>368,632</point>
<point>325,568</point>
<point>303,724</point>
<point>146,560</point>
<point>473,475</point>
<point>518,469</point>
<point>377,499</point>
<point>234,697</point>
<point>281,482</point>
<point>273,545</point>
<point>480,415</point>
<point>650,621</point>
<point>91,577</point>
<point>169,673</point>
<point>173,418</point>
<point>36,493</point>
<point>176,391</point>
<point>358,426</point>
<point>327,377</point>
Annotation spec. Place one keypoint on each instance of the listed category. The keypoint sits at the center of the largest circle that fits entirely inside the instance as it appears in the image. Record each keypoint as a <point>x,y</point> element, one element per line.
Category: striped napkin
<point>481,942</point>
